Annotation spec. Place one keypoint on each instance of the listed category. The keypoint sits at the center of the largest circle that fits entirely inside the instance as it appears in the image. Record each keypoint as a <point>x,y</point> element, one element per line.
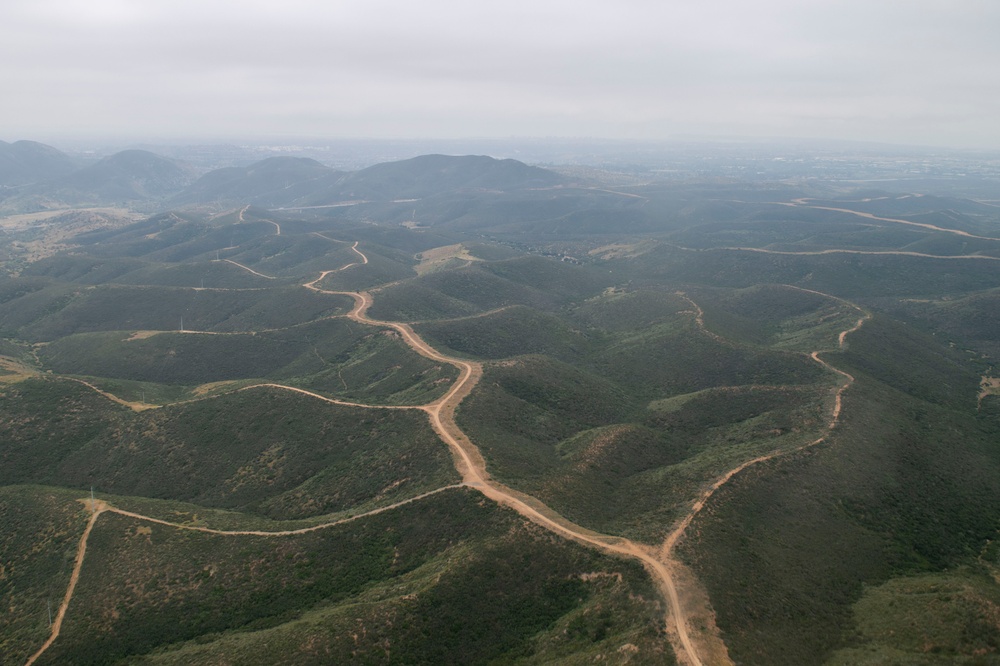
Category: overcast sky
<point>902,71</point>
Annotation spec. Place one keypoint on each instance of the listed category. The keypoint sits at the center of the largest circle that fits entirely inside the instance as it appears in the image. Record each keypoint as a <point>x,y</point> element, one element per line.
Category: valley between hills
<point>482,415</point>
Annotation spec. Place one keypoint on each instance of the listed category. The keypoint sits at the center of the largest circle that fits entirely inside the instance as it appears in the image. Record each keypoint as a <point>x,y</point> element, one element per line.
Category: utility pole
<point>182,323</point>
<point>48,603</point>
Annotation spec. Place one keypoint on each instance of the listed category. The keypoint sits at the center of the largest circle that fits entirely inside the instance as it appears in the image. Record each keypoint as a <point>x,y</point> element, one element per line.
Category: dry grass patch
<point>442,257</point>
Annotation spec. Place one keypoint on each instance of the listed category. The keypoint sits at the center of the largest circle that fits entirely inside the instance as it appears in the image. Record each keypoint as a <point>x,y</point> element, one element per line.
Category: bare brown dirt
<point>15,371</point>
<point>987,386</point>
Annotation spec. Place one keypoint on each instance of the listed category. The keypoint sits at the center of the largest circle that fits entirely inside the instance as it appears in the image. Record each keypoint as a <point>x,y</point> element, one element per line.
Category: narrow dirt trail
<point>135,406</point>
<point>699,318</point>
<point>317,396</point>
<point>807,253</point>
<point>279,533</point>
<point>800,203</point>
<point>277,226</point>
<point>81,552</point>
<point>247,268</point>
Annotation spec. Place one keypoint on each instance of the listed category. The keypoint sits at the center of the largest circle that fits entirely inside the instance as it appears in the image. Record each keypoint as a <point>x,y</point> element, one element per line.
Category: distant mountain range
<point>27,162</point>
<point>35,177</point>
<point>131,175</point>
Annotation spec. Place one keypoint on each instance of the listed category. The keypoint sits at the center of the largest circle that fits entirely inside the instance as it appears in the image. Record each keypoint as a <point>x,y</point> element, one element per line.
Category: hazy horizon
<point>923,73</point>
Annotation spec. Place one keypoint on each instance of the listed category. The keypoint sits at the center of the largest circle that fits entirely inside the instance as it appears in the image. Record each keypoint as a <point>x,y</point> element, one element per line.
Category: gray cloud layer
<point>913,71</point>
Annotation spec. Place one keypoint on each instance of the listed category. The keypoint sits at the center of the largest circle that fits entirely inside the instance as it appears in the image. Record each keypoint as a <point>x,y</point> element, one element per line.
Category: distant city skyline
<point>923,72</point>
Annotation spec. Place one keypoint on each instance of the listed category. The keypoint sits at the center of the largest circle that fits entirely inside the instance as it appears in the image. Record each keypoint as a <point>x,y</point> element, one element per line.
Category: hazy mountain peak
<point>24,162</point>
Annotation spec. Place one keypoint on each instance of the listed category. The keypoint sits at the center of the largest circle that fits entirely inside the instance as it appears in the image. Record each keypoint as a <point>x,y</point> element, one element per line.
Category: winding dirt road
<point>81,552</point>
<point>671,541</point>
<point>247,268</point>
<point>801,203</point>
<point>135,406</point>
<point>104,506</point>
<point>900,253</point>
<point>470,464</point>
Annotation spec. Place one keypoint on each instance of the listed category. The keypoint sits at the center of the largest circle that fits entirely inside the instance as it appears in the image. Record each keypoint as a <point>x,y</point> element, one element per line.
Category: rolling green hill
<point>263,450</point>
<point>334,356</point>
<point>60,310</point>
